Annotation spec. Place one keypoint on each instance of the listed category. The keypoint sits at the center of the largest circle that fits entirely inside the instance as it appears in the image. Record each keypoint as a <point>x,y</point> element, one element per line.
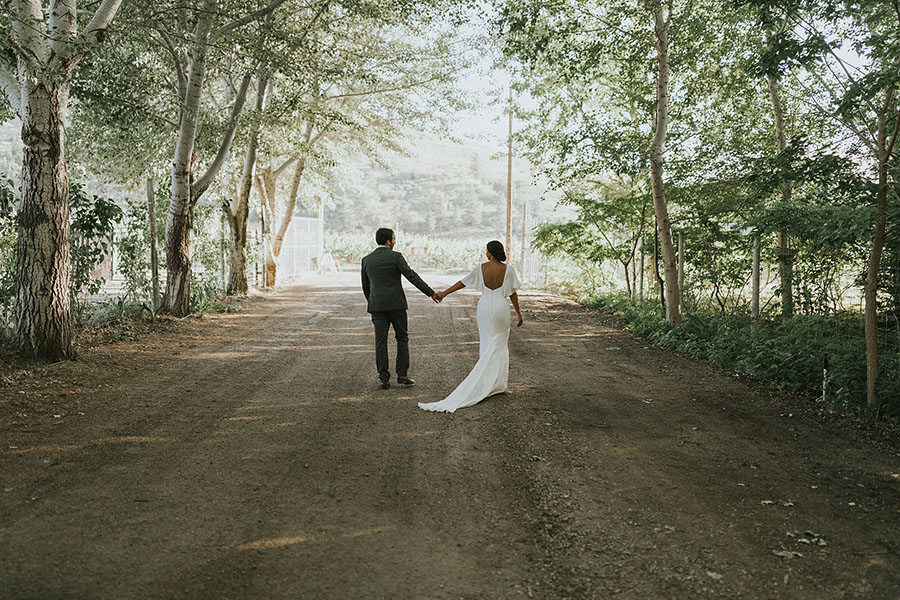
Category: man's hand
<point>437,297</point>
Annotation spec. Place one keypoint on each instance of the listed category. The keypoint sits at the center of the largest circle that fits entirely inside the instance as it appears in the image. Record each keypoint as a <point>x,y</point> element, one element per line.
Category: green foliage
<point>7,258</point>
<point>133,244</point>
<point>115,310</point>
<point>204,291</point>
<point>92,221</point>
<point>460,254</point>
<point>788,352</point>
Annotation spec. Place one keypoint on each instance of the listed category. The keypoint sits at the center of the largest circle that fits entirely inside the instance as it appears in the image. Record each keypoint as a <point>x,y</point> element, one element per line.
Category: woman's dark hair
<point>384,235</point>
<point>496,250</point>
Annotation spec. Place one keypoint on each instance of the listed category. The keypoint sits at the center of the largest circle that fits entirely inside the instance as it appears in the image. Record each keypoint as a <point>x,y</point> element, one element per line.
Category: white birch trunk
<point>38,92</point>
<point>278,234</point>
<point>237,218</point>
<point>43,326</point>
<point>657,151</point>
<point>179,221</point>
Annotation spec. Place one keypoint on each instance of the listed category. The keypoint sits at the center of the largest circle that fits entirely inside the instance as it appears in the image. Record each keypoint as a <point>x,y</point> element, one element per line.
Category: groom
<point>381,284</point>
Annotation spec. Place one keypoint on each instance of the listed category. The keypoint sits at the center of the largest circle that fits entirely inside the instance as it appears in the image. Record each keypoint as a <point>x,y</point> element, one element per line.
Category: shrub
<point>788,352</point>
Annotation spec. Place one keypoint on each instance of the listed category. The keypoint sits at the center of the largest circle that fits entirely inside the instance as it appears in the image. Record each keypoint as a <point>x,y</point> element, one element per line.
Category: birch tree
<point>857,87</point>
<point>40,48</point>
<point>615,100</point>
<point>362,88</point>
<point>188,186</point>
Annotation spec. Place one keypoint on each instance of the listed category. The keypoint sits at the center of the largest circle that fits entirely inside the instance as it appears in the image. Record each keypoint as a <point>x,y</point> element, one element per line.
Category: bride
<point>496,281</point>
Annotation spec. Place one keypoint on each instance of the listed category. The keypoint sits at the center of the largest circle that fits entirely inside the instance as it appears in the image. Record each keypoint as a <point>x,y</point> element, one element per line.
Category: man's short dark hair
<point>384,235</point>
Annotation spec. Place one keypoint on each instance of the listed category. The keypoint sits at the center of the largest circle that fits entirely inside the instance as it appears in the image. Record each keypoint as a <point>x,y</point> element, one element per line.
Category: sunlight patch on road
<point>347,399</point>
<point>221,355</point>
<point>248,418</point>
<point>281,542</point>
<point>128,439</point>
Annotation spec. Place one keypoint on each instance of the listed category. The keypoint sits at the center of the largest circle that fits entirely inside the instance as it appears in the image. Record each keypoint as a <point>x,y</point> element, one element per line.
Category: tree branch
<point>63,24</point>
<point>811,98</point>
<point>288,209</point>
<point>29,36</point>
<point>94,33</point>
<point>9,83</point>
<point>126,103</point>
<point>384,90</point>
<point>279,170</point>
<point>206,179</point>
<point>244,20</point>
<point>887,103</point>
<point>179,67</point>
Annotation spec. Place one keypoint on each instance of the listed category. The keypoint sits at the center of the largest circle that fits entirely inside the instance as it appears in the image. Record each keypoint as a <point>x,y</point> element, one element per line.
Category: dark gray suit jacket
<point>381,284</point>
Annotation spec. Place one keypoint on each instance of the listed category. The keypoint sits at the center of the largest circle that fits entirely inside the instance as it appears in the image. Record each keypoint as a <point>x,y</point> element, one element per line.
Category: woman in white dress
<point>496,282</point>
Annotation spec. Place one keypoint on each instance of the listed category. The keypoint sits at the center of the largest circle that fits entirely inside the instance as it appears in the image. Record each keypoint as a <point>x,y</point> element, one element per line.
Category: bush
<point>788,352</point>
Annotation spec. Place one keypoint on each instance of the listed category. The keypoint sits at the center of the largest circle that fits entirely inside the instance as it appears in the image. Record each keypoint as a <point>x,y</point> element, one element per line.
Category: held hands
<point>437,297</point>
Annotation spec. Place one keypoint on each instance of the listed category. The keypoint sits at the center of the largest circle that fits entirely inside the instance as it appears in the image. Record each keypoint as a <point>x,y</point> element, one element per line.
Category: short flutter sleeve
<point>473,280</point>
<point>511,282</point>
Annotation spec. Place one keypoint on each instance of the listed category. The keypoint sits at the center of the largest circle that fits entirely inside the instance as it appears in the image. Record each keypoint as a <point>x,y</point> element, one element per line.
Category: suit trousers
<point>383,320</point>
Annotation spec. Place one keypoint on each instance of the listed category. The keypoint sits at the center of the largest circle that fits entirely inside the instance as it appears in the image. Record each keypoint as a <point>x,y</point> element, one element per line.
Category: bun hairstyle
<point>496,250</point>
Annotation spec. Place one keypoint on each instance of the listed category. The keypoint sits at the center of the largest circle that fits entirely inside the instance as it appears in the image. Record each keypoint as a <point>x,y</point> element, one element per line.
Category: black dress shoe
<point>405,381</point>
<point>386,385</point>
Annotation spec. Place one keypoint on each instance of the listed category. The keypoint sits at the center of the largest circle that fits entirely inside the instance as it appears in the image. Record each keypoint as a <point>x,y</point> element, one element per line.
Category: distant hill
<point>442,188</point>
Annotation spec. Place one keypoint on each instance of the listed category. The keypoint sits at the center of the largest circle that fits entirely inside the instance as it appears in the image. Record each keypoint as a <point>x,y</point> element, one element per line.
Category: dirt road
<point>253,455</point>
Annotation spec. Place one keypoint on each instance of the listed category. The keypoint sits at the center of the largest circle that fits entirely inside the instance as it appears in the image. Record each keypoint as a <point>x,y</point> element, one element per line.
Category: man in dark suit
<point>381,284</point>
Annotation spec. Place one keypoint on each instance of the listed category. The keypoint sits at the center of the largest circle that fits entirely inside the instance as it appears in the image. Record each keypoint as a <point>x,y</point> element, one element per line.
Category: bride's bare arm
<point>515,302</point>
<point>453,288</point>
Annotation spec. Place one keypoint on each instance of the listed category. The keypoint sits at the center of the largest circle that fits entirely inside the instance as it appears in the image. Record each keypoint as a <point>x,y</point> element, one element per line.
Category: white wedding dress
<point>490,374</point>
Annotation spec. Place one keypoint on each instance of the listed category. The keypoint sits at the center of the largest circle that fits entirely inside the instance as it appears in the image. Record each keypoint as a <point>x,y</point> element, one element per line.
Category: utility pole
<point>524,230</point>
<point>509,180</point>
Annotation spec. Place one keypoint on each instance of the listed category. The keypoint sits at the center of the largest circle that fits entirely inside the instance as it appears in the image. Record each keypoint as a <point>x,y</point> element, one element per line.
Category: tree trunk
<point>237,257</point>
<point>754,299</point>
<point>681,271</point>
<point>154,257</point>
<point>179,255</point>
<point>278,239</point>
<point>785,259</point>
<point>43,328</point>
<point>660,284</point>
<point>641,271</point>
<point>657,150</point>
<point>185,190</point>
<point>871,287</point>
<point>179,221</point>
<point>237,220</point>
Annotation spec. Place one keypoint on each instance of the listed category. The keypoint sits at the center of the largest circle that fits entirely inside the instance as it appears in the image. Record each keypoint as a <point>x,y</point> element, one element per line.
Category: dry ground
<point>252,455</point>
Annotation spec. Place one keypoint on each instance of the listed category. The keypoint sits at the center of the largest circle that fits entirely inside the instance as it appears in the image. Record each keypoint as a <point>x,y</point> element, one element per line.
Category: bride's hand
<point>519,324</point>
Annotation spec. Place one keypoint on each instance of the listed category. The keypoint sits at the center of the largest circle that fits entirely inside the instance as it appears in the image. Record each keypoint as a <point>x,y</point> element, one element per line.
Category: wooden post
<point>154,259</point>
<point>509,181</point>
<point>524,229</point>
<point>320,214</point>
<point>754,302</point>
<point>681,270</point>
